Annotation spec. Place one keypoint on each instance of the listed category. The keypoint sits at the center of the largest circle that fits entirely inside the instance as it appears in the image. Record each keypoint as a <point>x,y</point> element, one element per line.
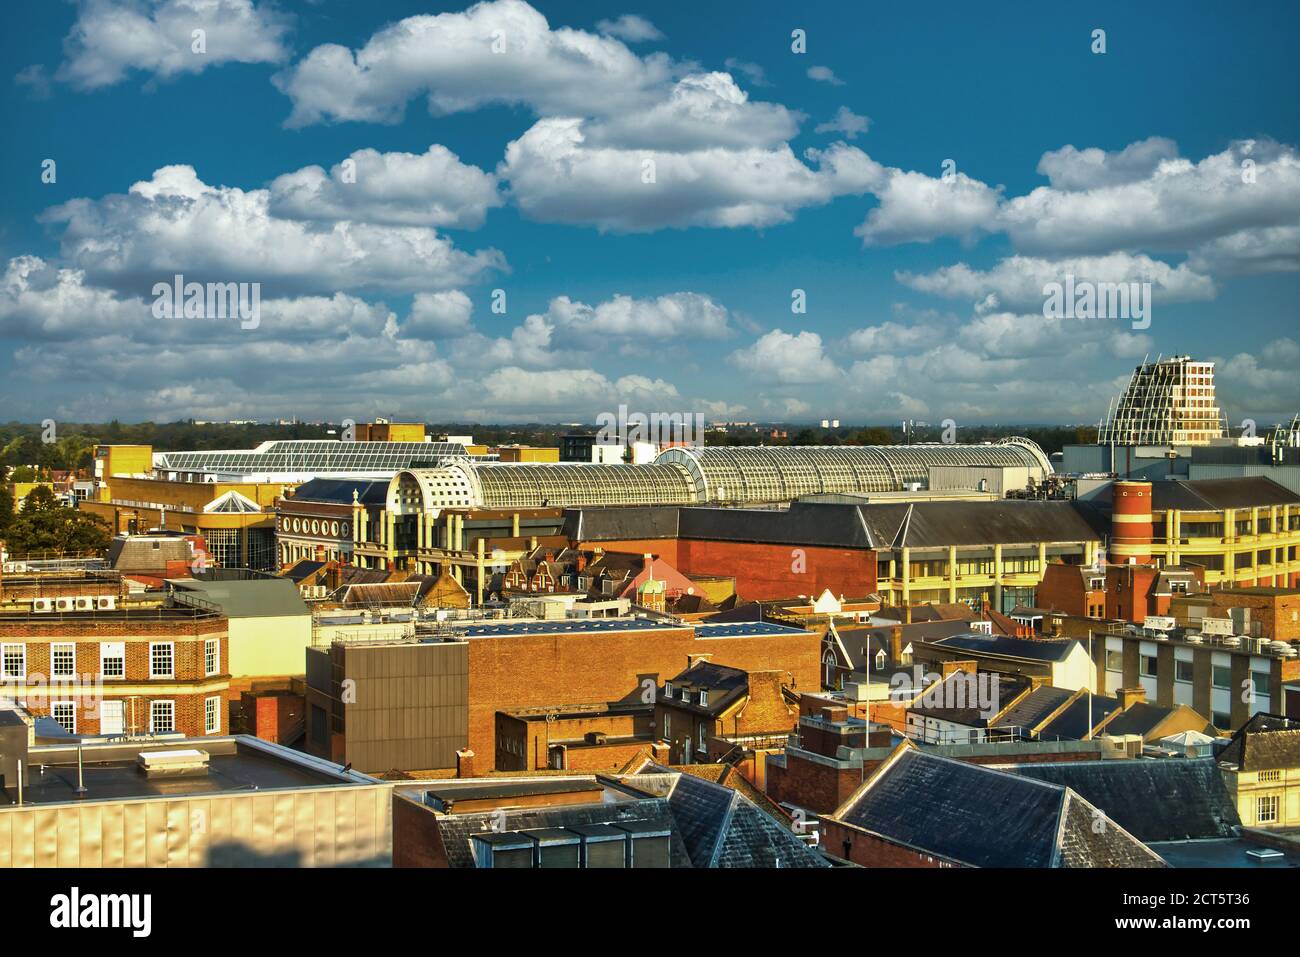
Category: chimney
<point>1128,697</point>
<point>907,613</point>
<point>464,763</point>
<point>950,667</point>
<point>320,553</point>
<point>896,644</point>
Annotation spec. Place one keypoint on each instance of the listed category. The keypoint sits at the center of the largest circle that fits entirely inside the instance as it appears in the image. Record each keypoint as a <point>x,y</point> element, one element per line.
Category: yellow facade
<point>23,489</point>
<point>390,432</point>
<point>1266,799</point>
<point>527,453</point>
<point>1253,546</point>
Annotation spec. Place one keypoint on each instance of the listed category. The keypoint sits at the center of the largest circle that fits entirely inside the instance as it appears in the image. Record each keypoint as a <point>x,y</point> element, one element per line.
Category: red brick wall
<point>812,785</point>
<point>416,840</point>
<point>868,850</point>
<point>762,571</point>
<point>519,671</point>
<point>274,717</point>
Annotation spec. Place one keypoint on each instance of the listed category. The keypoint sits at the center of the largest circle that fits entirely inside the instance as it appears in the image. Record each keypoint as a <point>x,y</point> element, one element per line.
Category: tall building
<point>1167,402</point>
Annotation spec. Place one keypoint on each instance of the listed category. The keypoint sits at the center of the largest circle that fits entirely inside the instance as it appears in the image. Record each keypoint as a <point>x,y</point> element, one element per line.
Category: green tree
<point>47,525</point>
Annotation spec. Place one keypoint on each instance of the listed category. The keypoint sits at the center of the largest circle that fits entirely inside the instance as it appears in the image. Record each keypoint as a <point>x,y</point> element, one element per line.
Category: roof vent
<point>175,763</point>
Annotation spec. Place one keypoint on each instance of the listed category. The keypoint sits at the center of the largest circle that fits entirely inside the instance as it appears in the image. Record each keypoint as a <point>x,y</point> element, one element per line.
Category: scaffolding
<point>1166,403</point>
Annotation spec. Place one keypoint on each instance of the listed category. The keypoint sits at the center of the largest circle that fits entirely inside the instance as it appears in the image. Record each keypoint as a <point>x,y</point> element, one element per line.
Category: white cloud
<point>433,188</point>
<point>844,121</point>
<point>1017,282</point>
<point>918,208</point>
<point>449,59</point>
<point>1074,169</point>
<point>1180,205</point>
<point>436,315</point>
<point>1264,250</point>
<point>112,37</point>
<point>557,176</point>
<point>824,74</point>
<point>752,72</point>
<point>672,316</point>
<point>630,27</point>
<point>175,223</point>
<point>788,359</point>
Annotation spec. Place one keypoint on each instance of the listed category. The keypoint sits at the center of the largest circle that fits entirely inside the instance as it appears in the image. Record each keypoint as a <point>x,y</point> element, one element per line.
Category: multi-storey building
<point>119,670</point>
<point>1167,402</point>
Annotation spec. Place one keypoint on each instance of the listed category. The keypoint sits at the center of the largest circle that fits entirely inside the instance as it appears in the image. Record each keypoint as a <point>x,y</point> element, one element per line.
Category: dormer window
<point>880,660</point>
<point>668,689</point>
<point>704,697</point>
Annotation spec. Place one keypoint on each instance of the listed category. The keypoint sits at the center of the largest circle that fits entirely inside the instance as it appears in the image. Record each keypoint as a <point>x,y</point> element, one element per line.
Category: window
<point>160,659</point>
<point>63,660</point>
<point>211,715</point>
<point>668,727</point>
<point>162,717</point>
<point>1114,660</point>
<point>1183,671</point>
<point>668,689</point>
<point>1221,719</point>
<point>704,697</point>
<point>211,656</point>
<point>1148,665</point>
<point>1259,681</point>
<point>703,738</point>
<point>1222,676</point>
<point>13,661</point>
<point>112,659</point>
<point>1266,809</point>
<point>65,713</point>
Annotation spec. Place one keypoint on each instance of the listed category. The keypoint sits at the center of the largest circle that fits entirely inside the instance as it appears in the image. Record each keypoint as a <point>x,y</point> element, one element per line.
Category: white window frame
<point>215,726</point>
<point>106,654</point>
<point>216,656</point>
<point>5,650</point>
<point>703,738</point>
<point>55,705</point>
<point>55,649</point>
<point>171,705</point>
<point>171,657</point>
<point>1274,803</point>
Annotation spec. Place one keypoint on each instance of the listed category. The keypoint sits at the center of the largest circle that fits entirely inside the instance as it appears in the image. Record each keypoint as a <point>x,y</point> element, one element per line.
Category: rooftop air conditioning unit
<point>65,604</point>
<point>84,603</point>
<point>106,602</point>
<point>42,605</point>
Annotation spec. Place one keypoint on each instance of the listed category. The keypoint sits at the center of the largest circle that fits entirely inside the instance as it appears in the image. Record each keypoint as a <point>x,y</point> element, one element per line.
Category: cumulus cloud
<point>790,359</point>
<point>498,52</point>
<point>433,188</point>
<point>915,207</point>
<point>1074,169</point>
<point>176,223</point>
<point>630,27</point>
<point>112,37</point>
<point>670,316</point>
<point>438,315</point>
<point>557,176</point>
<point>1270,249</point>
<point>1017,282</point>
<point>1253,184</point>
<point>752,72</point>
<point>844,121</point>
<point>824,74</point>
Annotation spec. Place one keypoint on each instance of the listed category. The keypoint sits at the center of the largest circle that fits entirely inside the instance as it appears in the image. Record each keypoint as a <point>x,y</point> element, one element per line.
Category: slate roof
<point>981,817</point>
<point>1006,522</point>
<point>1142,718</point>
<point>723,828</point>
<point>1033,708</point>
<point>1266,742</point>
<point>971,714</point>
<point>301,570</point>
<point>1215,495</point>
<point>339,491</point>
<point>1072,723</point>
<point>1034,649</point>
<point>1174,799</point>
<point>725,686</point>
<point>861,641</point>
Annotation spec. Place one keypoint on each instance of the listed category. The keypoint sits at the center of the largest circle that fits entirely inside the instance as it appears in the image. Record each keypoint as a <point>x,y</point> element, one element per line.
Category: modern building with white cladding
<point>723,475</point>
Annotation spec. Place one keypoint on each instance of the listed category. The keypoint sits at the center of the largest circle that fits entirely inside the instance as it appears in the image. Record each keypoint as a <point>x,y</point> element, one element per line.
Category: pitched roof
<point>725,686</point>
<point>1175,799</point>
<point>1006,522</point>
<point>247,598</point>
<point>861,641</point>
<point>339,491</point>
<point>1035,649</point>
<point>1266,742</point>
<point>1030,710</point>
<point>1215,495</point>
<point>1078,718</point>
<point>981,817</point>
<point>1141,718</point>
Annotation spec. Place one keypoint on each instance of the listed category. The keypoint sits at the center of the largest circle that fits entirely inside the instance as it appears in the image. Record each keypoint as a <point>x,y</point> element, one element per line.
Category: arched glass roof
<point>687,475</point>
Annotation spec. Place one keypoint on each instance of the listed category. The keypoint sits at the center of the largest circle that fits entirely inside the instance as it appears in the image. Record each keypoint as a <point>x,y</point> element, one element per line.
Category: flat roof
<point>567,626</point>
<point>1219,852</point>
<point>110,772</point>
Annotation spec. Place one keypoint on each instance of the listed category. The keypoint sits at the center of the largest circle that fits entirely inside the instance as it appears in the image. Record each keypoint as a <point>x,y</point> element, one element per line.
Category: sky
<point>758,211</point>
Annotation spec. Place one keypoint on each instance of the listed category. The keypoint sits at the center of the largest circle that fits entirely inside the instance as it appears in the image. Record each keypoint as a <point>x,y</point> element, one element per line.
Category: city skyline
<point>914,185</point>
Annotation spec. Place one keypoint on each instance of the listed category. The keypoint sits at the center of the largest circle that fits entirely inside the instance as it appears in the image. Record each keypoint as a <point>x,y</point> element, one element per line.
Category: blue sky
<point>522,171</point>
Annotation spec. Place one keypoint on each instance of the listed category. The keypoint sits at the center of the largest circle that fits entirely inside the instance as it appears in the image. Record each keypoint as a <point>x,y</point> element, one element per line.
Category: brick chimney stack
<point>896,644</point>
<point>1130,696</point>
<point>464,763</point>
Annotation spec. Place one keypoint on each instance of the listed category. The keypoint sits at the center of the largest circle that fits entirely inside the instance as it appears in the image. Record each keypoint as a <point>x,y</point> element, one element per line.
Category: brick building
<point>121,671</point>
